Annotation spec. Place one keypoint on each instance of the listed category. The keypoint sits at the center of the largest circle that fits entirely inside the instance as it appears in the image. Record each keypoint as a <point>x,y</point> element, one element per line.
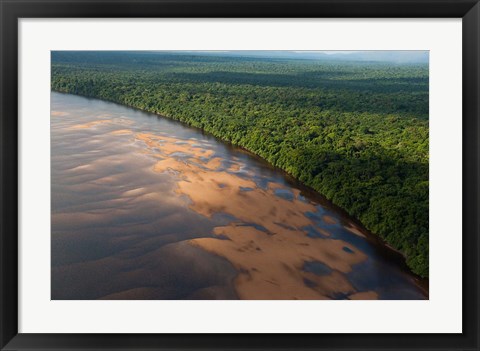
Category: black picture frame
<point>11,11</point>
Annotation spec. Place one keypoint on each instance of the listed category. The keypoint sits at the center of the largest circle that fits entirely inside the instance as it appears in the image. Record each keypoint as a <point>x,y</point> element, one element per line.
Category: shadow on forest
<point>314,79</point>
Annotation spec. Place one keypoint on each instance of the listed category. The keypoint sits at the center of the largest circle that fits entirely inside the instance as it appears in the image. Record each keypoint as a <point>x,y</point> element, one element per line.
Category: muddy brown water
<point>144,207</point>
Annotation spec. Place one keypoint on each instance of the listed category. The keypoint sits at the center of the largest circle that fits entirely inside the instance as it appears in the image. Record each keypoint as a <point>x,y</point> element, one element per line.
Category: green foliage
<point>355,132</point>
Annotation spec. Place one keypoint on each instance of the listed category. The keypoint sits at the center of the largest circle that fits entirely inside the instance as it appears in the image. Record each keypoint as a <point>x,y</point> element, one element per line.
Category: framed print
<point>239,175</point>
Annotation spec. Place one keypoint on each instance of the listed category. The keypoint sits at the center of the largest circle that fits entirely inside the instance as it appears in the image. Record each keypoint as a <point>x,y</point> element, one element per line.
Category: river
<point>144,207</point>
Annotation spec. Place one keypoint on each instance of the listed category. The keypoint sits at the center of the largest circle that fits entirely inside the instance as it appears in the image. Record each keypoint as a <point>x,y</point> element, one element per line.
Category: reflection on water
<point>146,208</point>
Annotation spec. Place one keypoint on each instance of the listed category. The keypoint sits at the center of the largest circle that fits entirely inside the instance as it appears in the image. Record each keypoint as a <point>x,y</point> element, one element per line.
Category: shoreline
<point>376,239</point>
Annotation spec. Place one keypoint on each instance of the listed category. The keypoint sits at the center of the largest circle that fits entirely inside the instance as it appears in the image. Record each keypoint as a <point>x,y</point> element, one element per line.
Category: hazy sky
<point>396,56</point>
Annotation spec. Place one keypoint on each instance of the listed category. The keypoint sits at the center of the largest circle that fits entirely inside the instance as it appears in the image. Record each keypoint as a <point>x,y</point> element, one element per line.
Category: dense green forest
<point>357,132</point>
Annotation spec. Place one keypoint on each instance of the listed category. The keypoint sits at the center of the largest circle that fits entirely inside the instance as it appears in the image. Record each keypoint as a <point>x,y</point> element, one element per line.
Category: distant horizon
<point>394,56</point>
<point>378,56</point>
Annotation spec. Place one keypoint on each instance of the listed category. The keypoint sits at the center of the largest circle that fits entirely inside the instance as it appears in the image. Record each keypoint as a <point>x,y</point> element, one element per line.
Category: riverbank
<point>310,184</point>
<point>151,194</point>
